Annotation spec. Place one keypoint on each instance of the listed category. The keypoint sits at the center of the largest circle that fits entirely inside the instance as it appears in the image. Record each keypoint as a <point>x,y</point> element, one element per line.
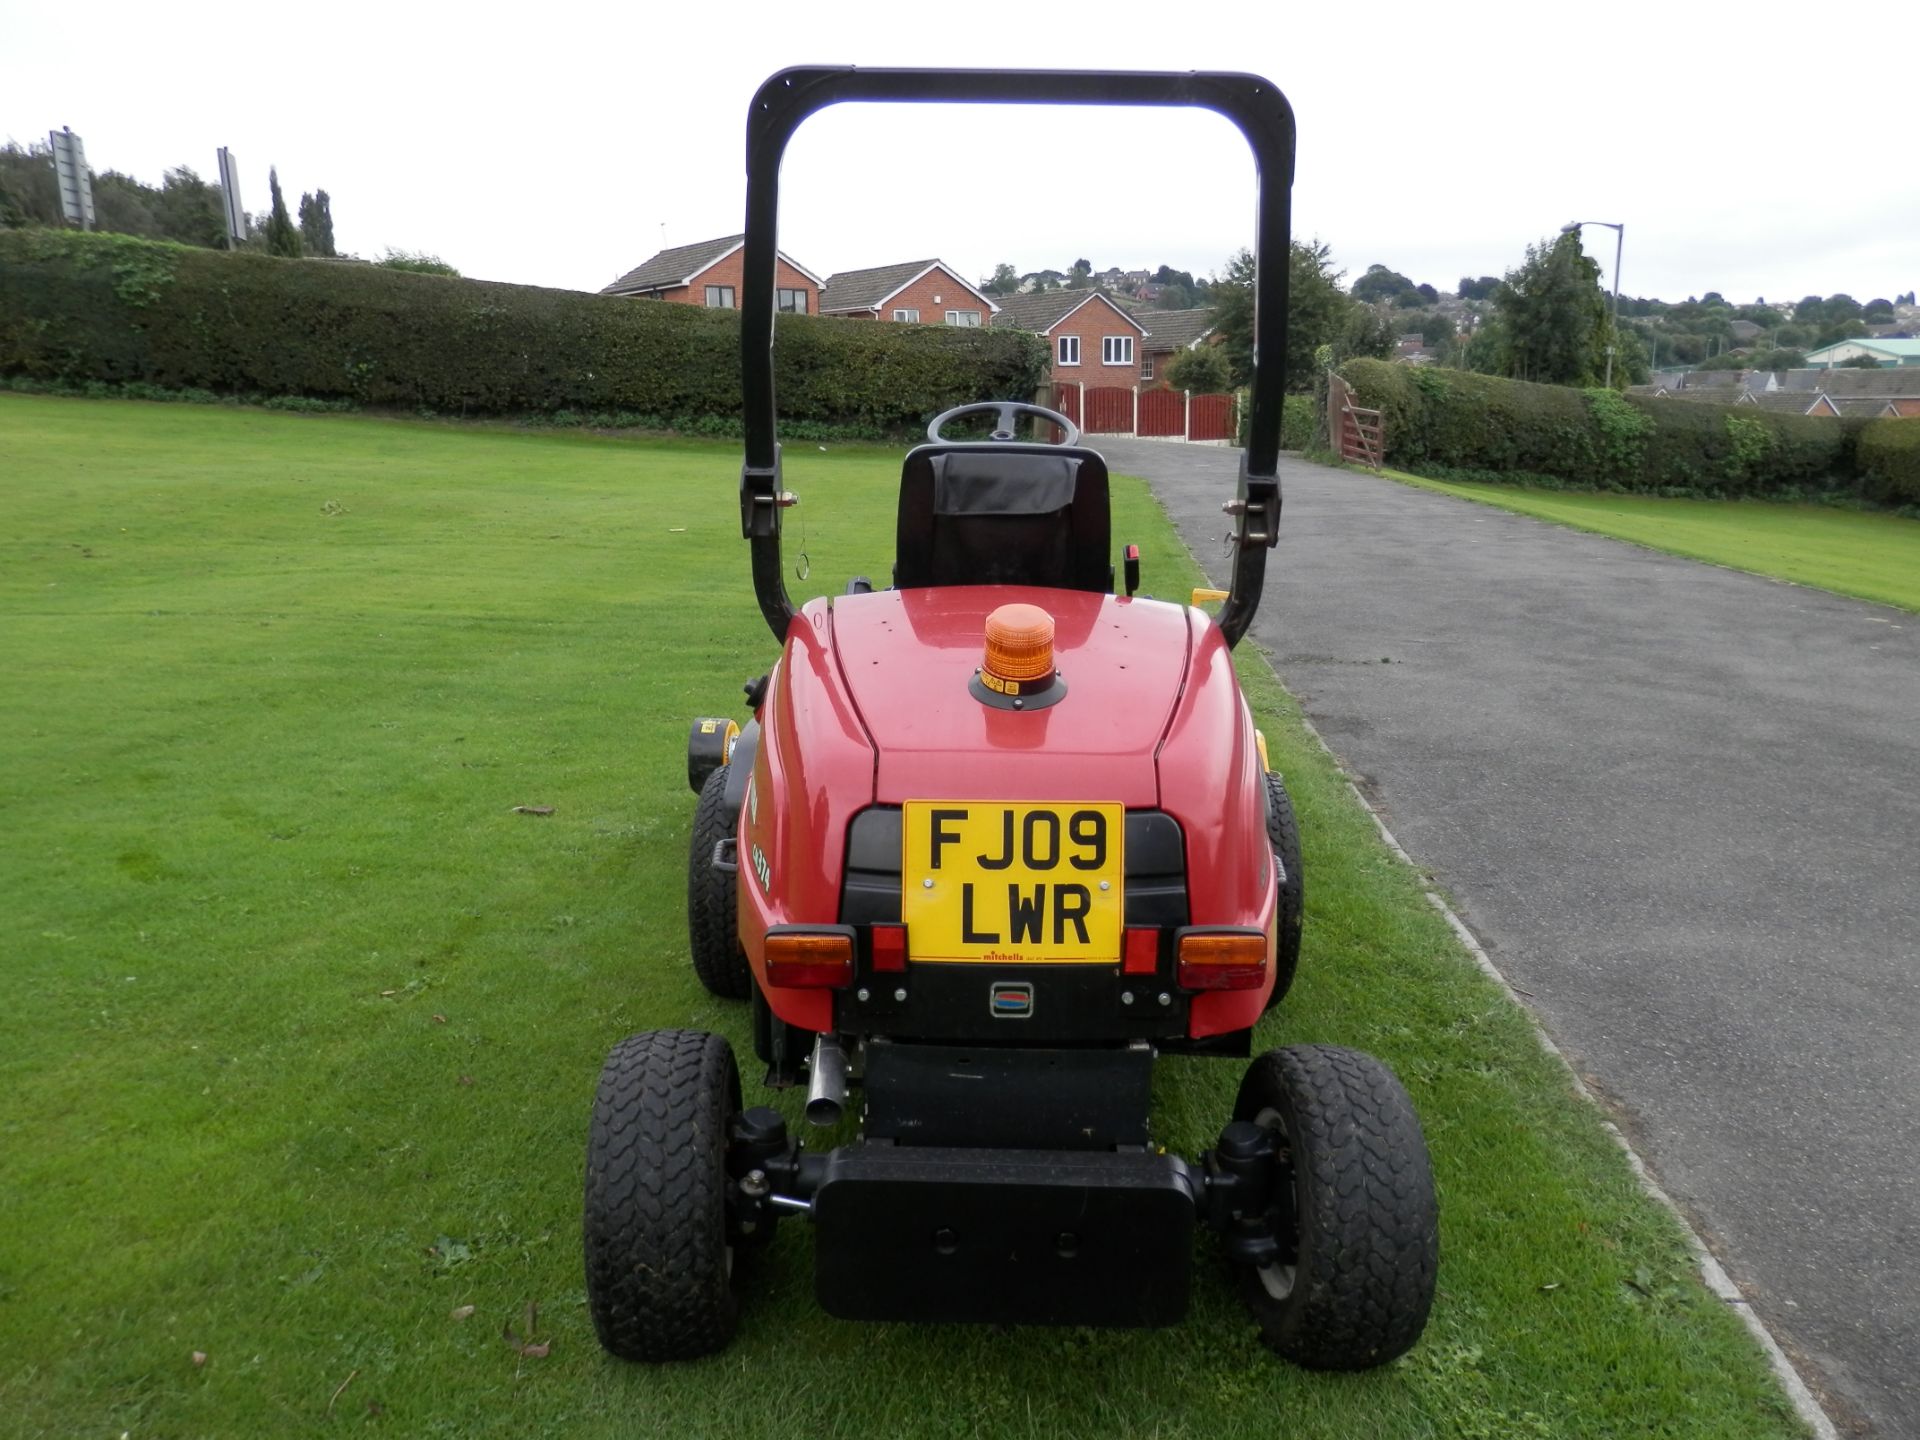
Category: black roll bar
<point>1255,105</point>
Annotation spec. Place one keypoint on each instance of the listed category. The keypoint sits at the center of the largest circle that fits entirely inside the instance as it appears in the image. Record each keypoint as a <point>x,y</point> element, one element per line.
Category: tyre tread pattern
<point>1283,834</point>
<point>712,903</point>
<point>1369,1243</point>
<point>657,1268</point>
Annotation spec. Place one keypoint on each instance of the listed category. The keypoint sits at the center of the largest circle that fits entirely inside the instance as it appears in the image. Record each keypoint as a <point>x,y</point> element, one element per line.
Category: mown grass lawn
<point>1869,555</point>
<point>302,1022</point>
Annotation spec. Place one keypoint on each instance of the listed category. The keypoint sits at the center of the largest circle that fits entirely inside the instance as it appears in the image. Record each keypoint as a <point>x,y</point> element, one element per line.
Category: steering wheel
<point>1006,412</point>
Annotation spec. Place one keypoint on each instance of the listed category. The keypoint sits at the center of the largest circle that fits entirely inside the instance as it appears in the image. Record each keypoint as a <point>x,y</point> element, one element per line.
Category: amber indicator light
<point>1223,961</point>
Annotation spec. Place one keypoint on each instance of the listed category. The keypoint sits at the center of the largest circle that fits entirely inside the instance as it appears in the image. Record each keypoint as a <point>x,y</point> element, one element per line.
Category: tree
<point>1427,293</point>
<point>1380,283</point>
<point>1841,307</point>
<point>1366,332</point>
<point>1553,317</point>
<point>29,195</point>
<point>123,205</point>
<point>1005,280</point>
<point>1205,371</point>
<point>417,261</point>
<point>1481,289</point>
<point>190,210</point>
<point>1779,359</point>
<point>1316,309</point>
<point>282,238</point>
<point>1859,362</point>
<point>1436,328</point>
<point>1877,312</point>
<point>316,223</point>
<point>1080,275</point>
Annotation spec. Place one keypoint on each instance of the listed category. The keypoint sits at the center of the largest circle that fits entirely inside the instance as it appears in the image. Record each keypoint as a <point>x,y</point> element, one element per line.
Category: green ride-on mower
<point>993,839</point>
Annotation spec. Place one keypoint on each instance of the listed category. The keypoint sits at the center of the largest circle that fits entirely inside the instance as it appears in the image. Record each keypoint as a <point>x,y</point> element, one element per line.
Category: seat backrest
<point>1004,515</point>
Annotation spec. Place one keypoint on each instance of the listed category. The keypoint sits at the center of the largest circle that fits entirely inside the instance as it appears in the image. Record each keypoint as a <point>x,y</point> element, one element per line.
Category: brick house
<point>1095,343</point>
<point>709,273</point>
<point>1168,333</point>
<point>915,292</point>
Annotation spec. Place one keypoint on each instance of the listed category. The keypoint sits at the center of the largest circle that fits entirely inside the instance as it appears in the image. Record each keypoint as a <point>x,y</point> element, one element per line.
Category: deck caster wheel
<point>658,1260</point>
<point>1353,1210</point>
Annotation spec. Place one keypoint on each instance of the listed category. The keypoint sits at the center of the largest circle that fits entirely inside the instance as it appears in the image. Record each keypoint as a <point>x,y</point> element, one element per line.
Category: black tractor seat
<point>1009,514</point>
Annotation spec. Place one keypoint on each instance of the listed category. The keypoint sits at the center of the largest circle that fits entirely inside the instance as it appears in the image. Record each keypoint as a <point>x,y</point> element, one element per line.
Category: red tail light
<point>889,947</point>
<point>810,957</point>
<point>1140,951</point>
<point>1222,959</point>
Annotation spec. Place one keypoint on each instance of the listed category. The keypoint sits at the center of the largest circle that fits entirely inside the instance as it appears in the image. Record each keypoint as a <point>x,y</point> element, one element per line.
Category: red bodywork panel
<point>870,705</point>
<point>908,655</point>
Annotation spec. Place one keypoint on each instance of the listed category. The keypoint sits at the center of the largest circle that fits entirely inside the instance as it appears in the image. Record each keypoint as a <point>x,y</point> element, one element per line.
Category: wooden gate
<point>1064,396</point>
<point>1359,434</point>
<point>1211,418</point>
<point>1109,411</point>
<point>1163,414</point>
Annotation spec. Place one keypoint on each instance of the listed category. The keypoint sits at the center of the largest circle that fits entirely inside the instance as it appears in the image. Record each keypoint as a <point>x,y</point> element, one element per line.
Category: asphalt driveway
<point>1681,808</point>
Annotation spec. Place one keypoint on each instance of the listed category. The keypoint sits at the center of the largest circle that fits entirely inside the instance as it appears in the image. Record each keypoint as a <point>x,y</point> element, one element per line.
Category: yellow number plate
<point>990,883</point>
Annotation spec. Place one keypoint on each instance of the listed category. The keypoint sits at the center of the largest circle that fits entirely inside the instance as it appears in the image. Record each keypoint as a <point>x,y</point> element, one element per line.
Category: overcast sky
<point>1753,149</point>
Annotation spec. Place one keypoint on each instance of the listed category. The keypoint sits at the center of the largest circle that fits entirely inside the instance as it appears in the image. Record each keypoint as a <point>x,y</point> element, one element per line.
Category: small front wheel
<point>1353,1210</point>
<point>659,1265</point>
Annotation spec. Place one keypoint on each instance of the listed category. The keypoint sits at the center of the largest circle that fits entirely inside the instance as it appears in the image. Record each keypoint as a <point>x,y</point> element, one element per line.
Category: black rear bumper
<point>1037,1237</point>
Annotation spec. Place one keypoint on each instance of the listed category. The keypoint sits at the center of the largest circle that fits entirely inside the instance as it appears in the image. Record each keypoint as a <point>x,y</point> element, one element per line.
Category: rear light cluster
<point>821,957</point>
<point>810,957</point>
<point>1221,959</point>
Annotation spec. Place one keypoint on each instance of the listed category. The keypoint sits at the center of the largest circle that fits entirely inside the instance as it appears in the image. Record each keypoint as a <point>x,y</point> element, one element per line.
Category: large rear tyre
<point>1353,1210</point>
<point>1283,834</point>
<point>713,931</point>
<point>659,1266</point>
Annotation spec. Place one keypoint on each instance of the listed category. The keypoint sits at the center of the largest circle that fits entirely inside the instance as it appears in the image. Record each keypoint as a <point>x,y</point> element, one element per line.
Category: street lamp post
<point>1619,243</point>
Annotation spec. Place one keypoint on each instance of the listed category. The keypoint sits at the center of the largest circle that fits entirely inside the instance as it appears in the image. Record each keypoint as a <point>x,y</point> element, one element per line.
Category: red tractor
<point>994,838</point>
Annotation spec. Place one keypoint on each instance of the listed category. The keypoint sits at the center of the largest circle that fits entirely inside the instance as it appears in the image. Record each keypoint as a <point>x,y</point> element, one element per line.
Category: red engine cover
<point>870,705</point>
<point>908,655</point>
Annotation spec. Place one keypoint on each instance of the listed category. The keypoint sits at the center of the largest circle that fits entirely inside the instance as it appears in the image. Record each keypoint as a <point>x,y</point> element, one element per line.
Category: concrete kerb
<point>1712,1273</point>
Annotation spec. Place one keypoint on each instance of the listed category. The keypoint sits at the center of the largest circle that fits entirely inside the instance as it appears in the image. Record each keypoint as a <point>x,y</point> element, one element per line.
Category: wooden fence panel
<point>1163,413</point>
<point>1109,411</point>
<point>1211,418</point>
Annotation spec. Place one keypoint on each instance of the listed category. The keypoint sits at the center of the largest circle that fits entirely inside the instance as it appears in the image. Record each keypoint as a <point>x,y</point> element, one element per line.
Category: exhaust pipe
<point>826,1081</point>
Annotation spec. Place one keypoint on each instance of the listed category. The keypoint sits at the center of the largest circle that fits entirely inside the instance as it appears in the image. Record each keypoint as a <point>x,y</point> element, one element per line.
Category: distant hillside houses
<point>1893,390</point>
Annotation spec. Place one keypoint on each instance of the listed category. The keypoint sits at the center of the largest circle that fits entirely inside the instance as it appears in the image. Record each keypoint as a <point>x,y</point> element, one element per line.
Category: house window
<point>793,302</point>
<point>1116,350</point>
<point>1146,367</point>
<point>1069,350</point>
<point>720,297</point>
<point>907,317</point>
<point>967,318</point>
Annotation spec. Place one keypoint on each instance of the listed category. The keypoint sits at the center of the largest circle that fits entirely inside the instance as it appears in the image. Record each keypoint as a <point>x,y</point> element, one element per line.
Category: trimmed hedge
<point>1599,440</point>
<point>1299,420</point>
<point>1890,460</point>
<point>78,309</point>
